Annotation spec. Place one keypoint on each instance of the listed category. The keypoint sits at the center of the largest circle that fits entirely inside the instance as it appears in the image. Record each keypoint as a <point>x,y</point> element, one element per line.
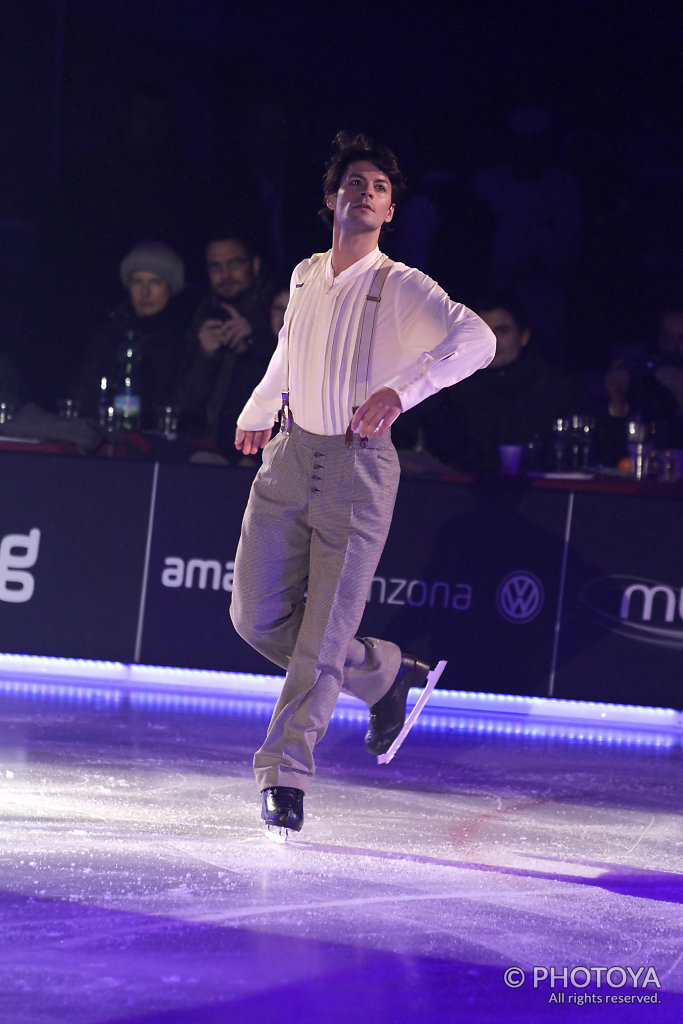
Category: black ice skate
<point>388,714</point>
<point>386,740</point>
<point>282,810</point>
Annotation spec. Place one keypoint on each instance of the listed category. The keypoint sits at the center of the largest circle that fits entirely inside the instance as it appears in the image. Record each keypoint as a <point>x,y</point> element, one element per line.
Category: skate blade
<point>432,680</point>
<point>276,833</point>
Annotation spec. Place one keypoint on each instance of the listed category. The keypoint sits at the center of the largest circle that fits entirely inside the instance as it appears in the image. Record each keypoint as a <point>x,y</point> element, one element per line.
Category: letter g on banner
<point>520,597</point>
<point>18,552</point>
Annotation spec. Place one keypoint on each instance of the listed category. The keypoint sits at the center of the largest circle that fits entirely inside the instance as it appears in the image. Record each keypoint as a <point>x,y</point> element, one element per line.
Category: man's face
<point>231,271</point>
<point>670,336</point>
<point>363,200</point>
<point>510,338</point>
<point>149,293</point>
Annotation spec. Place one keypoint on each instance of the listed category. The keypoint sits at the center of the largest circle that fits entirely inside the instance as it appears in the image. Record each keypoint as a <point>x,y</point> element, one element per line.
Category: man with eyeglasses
<point>230,331</point>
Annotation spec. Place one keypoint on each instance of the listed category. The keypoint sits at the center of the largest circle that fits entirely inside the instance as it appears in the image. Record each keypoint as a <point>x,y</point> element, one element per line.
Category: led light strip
<point>242,694</point>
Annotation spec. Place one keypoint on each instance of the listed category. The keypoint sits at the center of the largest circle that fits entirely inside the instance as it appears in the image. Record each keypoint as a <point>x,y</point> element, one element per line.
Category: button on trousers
<point>315,525</point>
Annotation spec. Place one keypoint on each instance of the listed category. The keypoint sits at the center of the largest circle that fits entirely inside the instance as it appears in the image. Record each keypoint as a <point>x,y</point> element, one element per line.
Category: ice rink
<point>137,885</point>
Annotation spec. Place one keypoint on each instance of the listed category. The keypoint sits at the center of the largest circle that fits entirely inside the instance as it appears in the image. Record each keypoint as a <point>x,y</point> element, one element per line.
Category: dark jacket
<point>160,343</point>
<point>647,400</point>
<point>513,404</point>
<point>216,387</point>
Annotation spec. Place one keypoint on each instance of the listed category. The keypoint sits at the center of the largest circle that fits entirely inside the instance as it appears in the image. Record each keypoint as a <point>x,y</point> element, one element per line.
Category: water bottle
<point>127,399</point>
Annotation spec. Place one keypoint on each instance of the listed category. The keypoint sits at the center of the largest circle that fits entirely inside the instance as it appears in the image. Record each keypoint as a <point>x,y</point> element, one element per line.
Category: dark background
<point>437,81</point>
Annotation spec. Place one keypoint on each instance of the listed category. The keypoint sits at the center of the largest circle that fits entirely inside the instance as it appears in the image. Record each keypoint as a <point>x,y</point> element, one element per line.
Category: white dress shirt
<point>422,342</point>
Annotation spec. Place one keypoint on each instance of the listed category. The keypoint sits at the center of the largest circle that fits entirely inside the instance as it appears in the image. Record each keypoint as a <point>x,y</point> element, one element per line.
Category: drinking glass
<point>167,421</point>
<point>69,408</point>
<point>585,427</point>
<point>560,442</point>
<point>6,412</point>
<point>637,431</point>
<point>639,447</point>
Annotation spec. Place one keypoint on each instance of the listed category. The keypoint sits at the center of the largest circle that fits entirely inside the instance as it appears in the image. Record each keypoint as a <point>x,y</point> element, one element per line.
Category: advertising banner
<point>127,561</point>
<point>621,639</point>
<point>197,519</point>
<point>470,574</point>
<point>72,544</point>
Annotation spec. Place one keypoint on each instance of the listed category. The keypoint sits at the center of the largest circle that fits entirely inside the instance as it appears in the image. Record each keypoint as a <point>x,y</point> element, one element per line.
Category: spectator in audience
<point>278,308</point>
<point>648,385</point>
<point>250,370</point>
<point>513,401</point>
<point>230,340</point>
<point>153,317</point>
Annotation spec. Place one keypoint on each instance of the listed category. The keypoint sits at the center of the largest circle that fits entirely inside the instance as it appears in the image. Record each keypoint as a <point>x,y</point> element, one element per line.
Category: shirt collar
<point>355,270</point>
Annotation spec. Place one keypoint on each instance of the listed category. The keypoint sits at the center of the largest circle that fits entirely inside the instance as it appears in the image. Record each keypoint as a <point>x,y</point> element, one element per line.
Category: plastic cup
<point>510,458</point>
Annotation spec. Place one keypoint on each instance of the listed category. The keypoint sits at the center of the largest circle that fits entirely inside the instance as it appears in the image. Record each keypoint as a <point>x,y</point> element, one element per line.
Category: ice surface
<point>137,884</point>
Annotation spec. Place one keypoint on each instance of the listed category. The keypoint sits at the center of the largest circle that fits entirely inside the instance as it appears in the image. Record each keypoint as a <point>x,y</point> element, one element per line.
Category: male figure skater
<point>363,340</point>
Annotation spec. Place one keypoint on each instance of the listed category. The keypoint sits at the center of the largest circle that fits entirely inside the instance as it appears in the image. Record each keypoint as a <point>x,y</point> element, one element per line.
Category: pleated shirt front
<point>422,341</point>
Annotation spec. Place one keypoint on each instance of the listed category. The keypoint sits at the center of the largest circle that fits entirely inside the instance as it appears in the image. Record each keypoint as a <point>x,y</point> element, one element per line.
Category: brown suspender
<point>360,370</point>
<point>363,354</point>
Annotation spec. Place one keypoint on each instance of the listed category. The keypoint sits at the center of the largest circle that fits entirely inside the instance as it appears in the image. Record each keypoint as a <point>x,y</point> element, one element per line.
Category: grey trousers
<point>315,525</point>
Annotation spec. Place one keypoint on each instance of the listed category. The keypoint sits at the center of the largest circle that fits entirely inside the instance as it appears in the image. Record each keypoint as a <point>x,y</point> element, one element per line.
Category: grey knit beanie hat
<point>157,258</point>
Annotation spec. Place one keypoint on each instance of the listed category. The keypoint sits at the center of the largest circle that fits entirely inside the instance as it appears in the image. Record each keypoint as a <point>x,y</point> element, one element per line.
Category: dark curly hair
<point>349,148</point>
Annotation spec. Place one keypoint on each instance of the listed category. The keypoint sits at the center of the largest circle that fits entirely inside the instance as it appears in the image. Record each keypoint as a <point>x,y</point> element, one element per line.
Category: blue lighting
<point>110,684</point>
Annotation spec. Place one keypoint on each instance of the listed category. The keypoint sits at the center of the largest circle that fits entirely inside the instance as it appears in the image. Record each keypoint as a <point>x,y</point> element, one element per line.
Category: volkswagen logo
<point>520,597</point>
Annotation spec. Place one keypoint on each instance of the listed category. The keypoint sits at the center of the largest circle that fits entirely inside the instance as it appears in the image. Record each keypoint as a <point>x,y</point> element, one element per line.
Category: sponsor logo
<point>420,593</point>
<point>18,554</point>
<point>642,609</point>
<point>520,597</point>
<point>198,574</point>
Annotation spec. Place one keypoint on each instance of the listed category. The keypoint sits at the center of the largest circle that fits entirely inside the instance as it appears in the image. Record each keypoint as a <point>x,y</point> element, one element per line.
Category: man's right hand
<point>249,441</point>
<point>233,332</point>
<point>211,337</point>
